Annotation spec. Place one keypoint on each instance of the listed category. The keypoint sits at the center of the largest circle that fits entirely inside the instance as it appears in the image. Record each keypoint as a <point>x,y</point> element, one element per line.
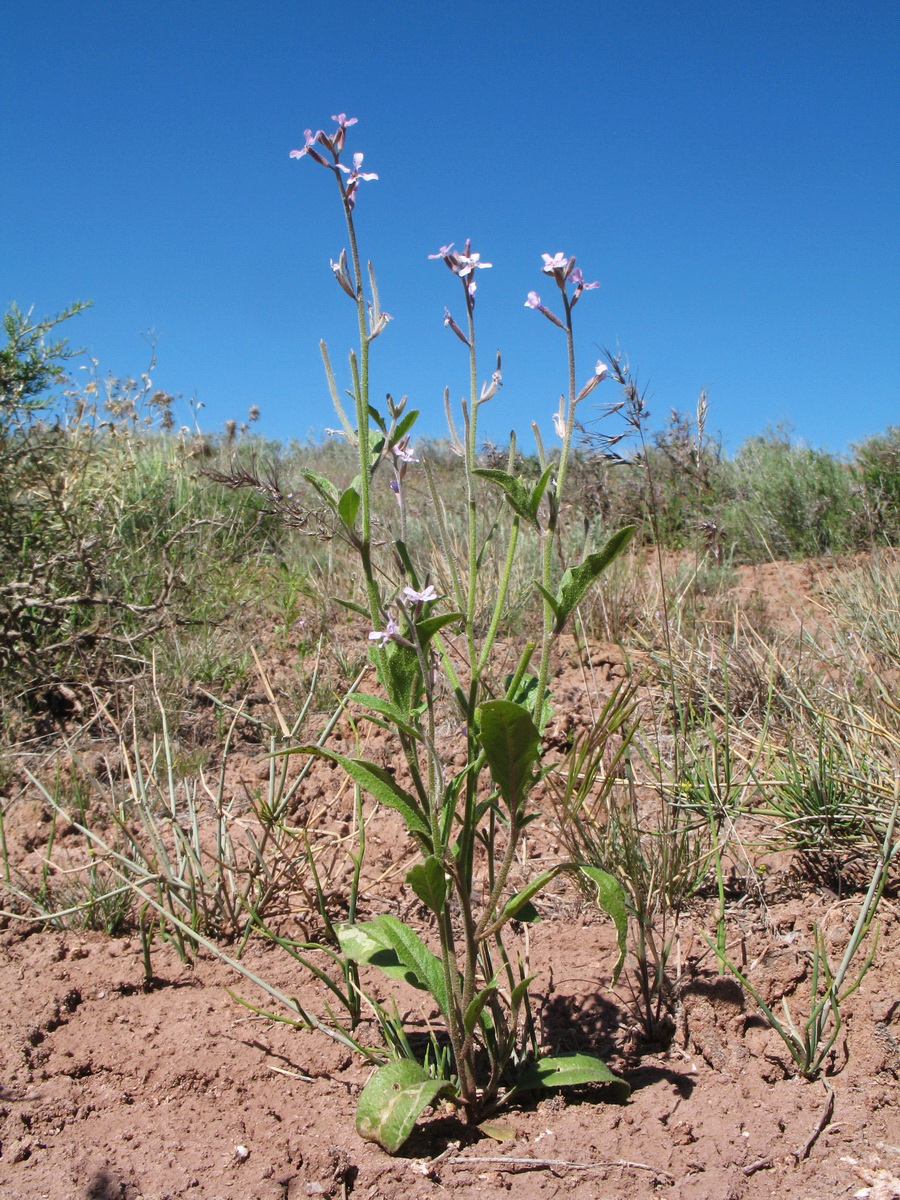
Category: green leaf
<point>514,490</point>
<point>429,881</point>
<point>571,1070</point>
<point>551,600</point>
<point>475,1009</point>
<point>413,954</point>
<point>378,783</point>
<point>403,554</point>
<point>398,670</point>
<point>429,626</point>
<point>348,506</point>
<point>393,1100</point>
<point>352,606</point>
<point>511,745</point>
<point>576,580</point>
<point>404,426</point>
<point>611,898</point>
<point>519,993</point>
<point>384,707</point>
<point>526,695</point>
<point>323,486</point>
<point>513,907</point>
<point>539,488</point>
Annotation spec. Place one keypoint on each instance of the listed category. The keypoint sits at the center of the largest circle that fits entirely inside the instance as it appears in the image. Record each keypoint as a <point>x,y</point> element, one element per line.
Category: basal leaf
<point>576,580</point>
<point>393,1100</point>
<point>571,1070</point>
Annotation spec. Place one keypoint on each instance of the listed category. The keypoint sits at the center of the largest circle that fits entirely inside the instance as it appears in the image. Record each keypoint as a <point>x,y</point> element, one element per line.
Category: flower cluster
<point>566,275</point>
<point>464,265</point>
<point>334,144</point>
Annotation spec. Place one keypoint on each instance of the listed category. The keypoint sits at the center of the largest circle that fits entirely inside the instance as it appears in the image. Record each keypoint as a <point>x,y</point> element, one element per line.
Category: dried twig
<point>499,1160</point>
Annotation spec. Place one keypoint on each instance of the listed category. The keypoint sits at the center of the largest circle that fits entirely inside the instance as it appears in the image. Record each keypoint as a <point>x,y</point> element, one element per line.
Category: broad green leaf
<point>405,425</point>
<point>571,1070</point>
<point>393,1100</point>
<point>526,695</point>
<point>429,626</point>
<point>398,669</point>
<point>378,783</point>
<point>515,491</point>
<point>576,580</point>
<point>323,486</point>
<point>376,416</point>
<point>362,944</point>
<point>348,506</point>
<point>429,881</point>
<point>413,954</point>
<point>397,951</point>
<point>611,898</point>
<point>511,746</point>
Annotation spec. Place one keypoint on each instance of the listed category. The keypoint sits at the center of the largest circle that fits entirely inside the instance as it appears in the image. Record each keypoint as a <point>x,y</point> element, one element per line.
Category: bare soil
<point>111,1087</point>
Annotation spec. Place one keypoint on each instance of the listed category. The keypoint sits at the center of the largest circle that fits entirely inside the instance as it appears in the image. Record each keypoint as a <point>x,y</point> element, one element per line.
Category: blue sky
<point>729,172</point>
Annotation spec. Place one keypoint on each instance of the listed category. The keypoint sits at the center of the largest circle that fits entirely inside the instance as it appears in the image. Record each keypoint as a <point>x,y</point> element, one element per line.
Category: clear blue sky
<point>729,171</point>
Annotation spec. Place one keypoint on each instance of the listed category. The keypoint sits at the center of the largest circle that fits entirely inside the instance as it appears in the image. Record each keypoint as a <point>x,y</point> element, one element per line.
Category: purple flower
<point>461,264</point>
<point>425,597</point>
<point>553,263</point>
<point>354,176</point>
<point>343,123</point>
<point>575,276</point>
<point>383,636</point>
<point>403,451</point>
<point>534,301</point>
<point>311,139</point>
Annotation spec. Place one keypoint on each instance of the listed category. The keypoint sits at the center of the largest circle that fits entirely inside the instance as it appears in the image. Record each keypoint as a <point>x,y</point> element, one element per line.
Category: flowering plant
<point>467,821</point>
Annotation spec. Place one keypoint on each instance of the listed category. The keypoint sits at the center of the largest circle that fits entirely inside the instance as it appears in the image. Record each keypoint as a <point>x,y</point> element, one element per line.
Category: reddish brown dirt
<point>110,1089</point>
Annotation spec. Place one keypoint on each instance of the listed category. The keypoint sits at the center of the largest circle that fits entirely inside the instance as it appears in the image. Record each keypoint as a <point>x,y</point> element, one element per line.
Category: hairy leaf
<point>378,783</point>
<point>429,881</point>
<point>511,746</point>
<point>611,898</point>
<point>576,580</point>
<point>571,1070</point>
<point>393,1100</point>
